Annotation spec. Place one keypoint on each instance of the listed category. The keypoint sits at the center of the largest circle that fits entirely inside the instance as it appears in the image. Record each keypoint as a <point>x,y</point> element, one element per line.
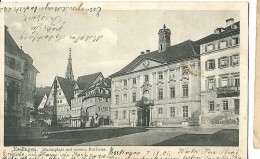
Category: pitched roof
<point>38,99</point>
<point>67,88</point>
<point>10,44</point>
<point>84,82</point>
<point>185,50</point>
<point>228,31</point>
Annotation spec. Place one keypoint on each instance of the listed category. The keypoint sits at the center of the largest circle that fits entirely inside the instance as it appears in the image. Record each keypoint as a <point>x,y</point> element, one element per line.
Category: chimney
<point>21,47</point>
<point>229,22</point>
<point>142,53</point>
<point>147,51</point>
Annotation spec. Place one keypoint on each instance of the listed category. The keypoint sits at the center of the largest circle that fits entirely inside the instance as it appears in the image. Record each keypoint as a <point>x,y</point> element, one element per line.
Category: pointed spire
<point>164,26</point>
<point>69,72</point>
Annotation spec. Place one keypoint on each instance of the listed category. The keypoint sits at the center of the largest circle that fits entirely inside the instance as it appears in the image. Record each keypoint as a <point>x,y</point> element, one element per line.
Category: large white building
<point>160,87</point>
<point>220,75</point>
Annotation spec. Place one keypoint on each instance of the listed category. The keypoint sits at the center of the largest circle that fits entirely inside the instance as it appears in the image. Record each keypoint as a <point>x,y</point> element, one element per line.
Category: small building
<point>220,75</point>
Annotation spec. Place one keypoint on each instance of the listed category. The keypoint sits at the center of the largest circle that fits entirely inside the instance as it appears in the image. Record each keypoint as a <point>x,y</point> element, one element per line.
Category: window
<point>116,114</point>
<point>134,80</point>
<point>237,81</point>
<point>160,93</point>
<point>211,106</point>
<point>117,84</point>
<point>133,112</point>
<point>172,72</point>
<point>223,62</point>
<point>124,98</point>
<point>60,101</point>
<point>172,112</point>
<point>172,92</point>
<point>59,93</point>
<point>160,75</point>
<point>210,47</point>
<point>134,96</point>
<point>125,82</point>
<point>224,81</point>
<point>210,64</point>
<point>223,44</point>
<point>124,114</point>
<point>235,60</point>
<point>225,104</point>
<point>29,74</point>
<point>160,111</point>
<point>235,41</point>
<point>117,99</point>
<point>211,83</point>
<point>185,71</point>
<point>146,78</point>
<point>185,111</point>
<point>185,91</point>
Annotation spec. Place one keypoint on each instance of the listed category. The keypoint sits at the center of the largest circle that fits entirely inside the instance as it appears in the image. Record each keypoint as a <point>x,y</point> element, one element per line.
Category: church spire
<point>69,72</point>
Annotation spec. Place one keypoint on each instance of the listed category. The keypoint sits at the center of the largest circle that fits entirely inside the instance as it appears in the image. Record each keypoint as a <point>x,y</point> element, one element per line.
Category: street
<point>138,136</point>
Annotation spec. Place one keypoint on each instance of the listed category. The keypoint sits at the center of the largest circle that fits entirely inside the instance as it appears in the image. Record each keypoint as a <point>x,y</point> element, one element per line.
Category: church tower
<point>164,39</point>
<point>69,72</point>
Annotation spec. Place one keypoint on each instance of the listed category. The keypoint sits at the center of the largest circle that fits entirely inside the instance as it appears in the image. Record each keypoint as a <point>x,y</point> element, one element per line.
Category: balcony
<point>228,91</point>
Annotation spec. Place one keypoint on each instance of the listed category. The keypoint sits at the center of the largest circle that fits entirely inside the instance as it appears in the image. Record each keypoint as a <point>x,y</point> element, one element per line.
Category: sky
<point>125,34</point>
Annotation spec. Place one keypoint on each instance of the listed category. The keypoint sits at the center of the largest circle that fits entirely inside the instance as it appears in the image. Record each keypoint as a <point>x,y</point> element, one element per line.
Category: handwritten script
<point>48,7</point>
<point>119,153</point>
<point>50,28</point>
<point>40,26</point>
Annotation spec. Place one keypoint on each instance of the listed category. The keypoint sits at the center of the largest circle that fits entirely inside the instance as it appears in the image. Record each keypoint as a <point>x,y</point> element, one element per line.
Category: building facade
<point>91,101</point>
<point>220,75</point>
<point>60,100</point>
<point>158,88</point>
<point>20,84</point>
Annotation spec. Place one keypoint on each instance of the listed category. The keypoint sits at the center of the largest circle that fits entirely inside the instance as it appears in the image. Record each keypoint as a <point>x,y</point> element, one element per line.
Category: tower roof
<point>164,30</point>
<point>69,72</point>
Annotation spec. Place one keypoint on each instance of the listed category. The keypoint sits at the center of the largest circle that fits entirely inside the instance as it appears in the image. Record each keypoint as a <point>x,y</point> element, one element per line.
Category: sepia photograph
<point>88,76</point>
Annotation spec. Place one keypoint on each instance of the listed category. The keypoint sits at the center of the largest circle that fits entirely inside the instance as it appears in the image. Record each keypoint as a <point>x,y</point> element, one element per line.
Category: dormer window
<point>233,26</point>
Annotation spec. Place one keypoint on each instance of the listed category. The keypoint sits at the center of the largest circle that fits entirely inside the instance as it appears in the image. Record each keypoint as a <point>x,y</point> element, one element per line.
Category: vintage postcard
<point>134,80</point>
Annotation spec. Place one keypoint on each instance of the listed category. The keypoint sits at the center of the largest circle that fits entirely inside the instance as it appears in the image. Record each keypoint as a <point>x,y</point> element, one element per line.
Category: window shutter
<point>229,81</point>
<point>214,80</point>
<point>214,64</point>
<point>206,84</point>
<point>219,82</point>
<point>232,81</point>
<point>231,60</point>
<point>227,43</point>
<point>206,65</point>
<point>227,61</point>
<point>218,62</point>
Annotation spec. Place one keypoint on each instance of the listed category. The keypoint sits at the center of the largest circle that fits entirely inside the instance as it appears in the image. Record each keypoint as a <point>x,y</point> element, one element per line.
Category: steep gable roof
<point>185,50</point>
<point>228,31</point>
<point>84,82</point>
<point>67,88</point>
